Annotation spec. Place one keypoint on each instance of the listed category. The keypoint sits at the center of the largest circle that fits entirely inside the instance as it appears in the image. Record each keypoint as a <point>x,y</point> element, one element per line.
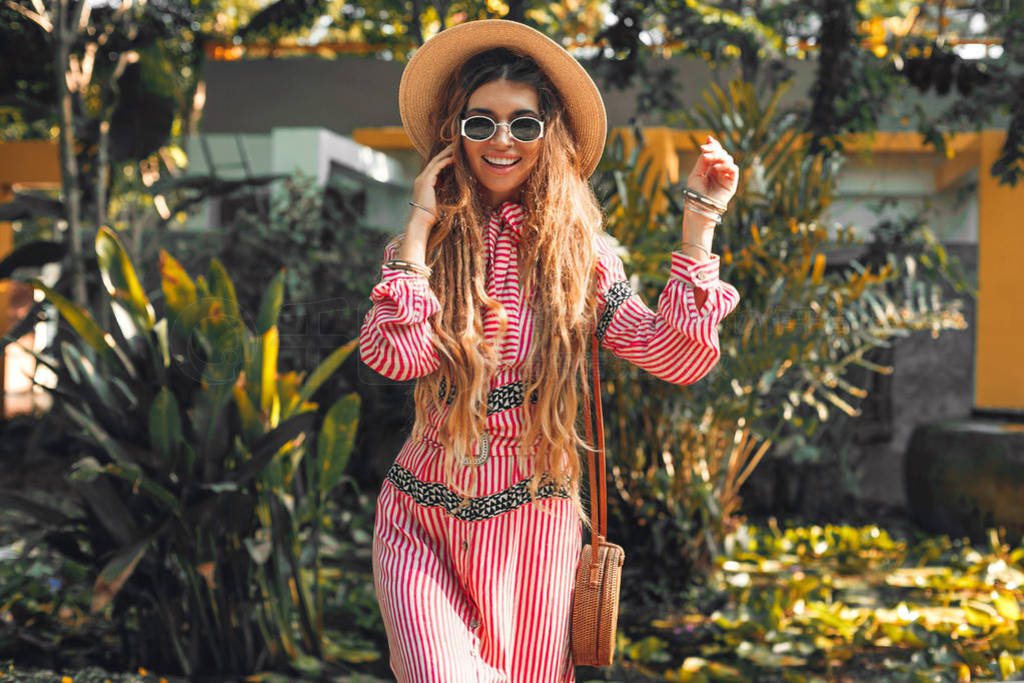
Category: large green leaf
<point>268,346</point>
<point>323,371</point>
<point>335,440</point>
<point>270,304</point>
<point>179,295</point>
<point>100,436</point>
<point>16,500</point>
<point>93,385</point>
<point>222,288</point>
<point>31,255</point>
<point>114,574</point>
<point>86,327</point>
<point>110,511</point>
<point>132,309</point>
<point>267,447</point>
<point>165,424</point>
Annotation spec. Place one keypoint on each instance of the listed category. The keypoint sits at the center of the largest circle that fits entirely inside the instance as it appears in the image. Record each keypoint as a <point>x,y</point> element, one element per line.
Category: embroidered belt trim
<point>469,509</point>
<point>499,399</point>
<point>613,298</point>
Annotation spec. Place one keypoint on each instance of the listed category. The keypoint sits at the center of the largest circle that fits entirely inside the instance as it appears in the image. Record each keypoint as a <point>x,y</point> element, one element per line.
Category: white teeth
<point>500,162</point>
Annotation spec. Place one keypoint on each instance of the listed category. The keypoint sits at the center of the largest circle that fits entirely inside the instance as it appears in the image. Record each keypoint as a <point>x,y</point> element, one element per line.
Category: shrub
<point>789,348</point>
<point>198,483</point>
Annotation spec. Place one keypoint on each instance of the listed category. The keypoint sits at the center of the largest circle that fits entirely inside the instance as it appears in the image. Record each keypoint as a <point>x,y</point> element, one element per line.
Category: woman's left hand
<point>715,173</point>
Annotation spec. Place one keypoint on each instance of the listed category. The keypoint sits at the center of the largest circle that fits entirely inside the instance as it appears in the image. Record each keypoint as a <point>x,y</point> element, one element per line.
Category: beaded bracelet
<point>409,267</point>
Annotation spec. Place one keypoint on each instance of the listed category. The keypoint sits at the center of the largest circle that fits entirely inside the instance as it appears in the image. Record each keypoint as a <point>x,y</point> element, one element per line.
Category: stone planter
<point>966,476</point>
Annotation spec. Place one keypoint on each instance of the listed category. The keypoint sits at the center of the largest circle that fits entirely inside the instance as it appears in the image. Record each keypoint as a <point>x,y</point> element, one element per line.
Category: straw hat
<point>441,57</point>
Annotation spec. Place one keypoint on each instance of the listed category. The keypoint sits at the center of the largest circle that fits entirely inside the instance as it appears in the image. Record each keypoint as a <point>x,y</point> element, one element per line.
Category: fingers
<point>423,186</point>
<point>711,154</point>
<point>445,155</point>
<point>717,166</point>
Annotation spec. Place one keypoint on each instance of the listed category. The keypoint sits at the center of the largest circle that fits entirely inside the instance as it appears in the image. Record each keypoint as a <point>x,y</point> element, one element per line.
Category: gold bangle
<point>409,267</point>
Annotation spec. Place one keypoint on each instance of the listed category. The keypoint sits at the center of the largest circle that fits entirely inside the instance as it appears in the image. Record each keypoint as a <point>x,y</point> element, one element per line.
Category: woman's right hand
<point>414,245</point>
<point>423,191</point>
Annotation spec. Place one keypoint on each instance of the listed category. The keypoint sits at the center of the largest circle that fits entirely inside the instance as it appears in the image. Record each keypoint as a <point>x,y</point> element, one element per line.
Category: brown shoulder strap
<point>596,458</point>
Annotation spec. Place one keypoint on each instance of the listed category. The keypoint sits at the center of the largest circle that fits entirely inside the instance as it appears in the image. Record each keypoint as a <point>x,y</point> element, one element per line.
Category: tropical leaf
<point>335,440</point>
<point>325,370</point>
<point>270,304</point>
<point>132,309</point>
<point>115,573</point>
<point>165,424</point>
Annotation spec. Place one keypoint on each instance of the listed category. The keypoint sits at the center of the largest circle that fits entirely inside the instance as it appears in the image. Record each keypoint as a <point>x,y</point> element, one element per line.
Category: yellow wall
<point>6,245</point>
<point>999,358</point>
<point>28,163</point>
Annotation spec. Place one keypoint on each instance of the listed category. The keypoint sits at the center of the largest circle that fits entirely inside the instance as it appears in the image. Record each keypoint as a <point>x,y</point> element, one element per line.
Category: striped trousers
<point>476,592</point>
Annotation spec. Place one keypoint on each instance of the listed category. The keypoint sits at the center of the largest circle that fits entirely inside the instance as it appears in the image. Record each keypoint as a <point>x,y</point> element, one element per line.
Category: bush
<point>788,351</point>
<point>198,483</point>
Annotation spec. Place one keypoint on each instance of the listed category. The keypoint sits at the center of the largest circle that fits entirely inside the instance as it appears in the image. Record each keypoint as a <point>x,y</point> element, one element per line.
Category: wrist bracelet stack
<point>704,205</point>
<point>409,267</point>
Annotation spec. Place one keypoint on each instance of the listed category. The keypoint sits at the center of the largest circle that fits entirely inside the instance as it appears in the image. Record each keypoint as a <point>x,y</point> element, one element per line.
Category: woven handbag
<point>595,606</point>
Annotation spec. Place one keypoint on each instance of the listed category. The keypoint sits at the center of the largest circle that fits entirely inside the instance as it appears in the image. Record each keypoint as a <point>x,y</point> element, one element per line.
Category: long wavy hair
<point>557,271</point>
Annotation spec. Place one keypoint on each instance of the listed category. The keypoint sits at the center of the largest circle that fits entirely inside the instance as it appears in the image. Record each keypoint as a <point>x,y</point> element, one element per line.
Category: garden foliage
<point>789,349</point>
<point>842,603</point>
<point>197,477</point>
<point>318,236</point>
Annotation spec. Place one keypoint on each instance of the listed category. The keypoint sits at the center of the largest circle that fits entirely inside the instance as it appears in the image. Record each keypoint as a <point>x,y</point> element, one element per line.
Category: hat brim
<point>440,58</point>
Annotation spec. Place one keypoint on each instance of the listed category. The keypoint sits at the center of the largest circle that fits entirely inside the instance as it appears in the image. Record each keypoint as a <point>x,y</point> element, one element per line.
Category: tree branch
<point>40,18</point>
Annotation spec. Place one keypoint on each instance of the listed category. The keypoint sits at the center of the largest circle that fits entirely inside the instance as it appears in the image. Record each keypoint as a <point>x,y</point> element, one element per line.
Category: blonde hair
<point>557,271</point>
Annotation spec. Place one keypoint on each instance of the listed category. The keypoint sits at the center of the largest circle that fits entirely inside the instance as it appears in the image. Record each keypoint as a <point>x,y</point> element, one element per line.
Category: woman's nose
<point>502,134</point>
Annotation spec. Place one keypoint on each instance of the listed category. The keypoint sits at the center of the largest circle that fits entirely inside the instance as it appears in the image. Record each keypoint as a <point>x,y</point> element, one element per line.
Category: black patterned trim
<point>499,399</point>
<point>444,388</point>
<point>506,397</point>
<point>613,298</point>
<point>469,509</point>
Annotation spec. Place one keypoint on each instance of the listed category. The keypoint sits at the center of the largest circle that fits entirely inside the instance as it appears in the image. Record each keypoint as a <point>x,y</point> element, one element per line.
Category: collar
<point>511,216</point>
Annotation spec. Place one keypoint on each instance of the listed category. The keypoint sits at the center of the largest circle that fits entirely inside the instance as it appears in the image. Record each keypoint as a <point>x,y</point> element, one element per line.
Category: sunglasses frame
<point>496,124</point>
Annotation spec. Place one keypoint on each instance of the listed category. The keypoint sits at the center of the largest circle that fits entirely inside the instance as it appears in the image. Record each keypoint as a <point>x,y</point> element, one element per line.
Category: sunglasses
<point>523,129</point>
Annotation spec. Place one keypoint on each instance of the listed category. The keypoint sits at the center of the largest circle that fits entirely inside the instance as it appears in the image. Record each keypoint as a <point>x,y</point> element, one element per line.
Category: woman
<point>489,300</point>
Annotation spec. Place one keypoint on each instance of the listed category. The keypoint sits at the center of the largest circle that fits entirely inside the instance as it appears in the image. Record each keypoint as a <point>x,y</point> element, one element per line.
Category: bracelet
<point>420,206</point>
<point>716,217</point>
<point>705,200</point>
<point>694,244</point>
<point>409,267</point>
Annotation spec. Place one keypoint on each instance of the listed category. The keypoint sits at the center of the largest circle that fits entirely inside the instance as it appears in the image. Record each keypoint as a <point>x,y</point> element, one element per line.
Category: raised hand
<point>423,187</point>
<point>423,217</point>
<point>715,173</point>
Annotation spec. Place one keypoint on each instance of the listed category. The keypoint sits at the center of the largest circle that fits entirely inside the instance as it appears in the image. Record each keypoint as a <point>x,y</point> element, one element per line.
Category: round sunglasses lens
<point>479,128</point>
<point>525,129</point>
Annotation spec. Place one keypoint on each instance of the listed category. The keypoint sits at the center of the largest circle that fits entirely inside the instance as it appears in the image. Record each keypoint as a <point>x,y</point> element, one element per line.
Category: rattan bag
<point>595,605</point>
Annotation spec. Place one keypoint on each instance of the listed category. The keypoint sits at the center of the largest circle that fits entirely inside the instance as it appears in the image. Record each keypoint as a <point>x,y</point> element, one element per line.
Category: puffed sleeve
<point>395,338</point>
<point>679,342</point>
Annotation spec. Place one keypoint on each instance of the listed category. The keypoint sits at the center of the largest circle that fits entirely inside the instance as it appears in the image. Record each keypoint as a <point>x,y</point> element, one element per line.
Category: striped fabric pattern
<point>481,600</point>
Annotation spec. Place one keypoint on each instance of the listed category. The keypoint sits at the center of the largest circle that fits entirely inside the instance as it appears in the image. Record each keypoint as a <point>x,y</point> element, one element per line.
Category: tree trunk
<point>415,26</point>
<point>102,172</point>
<point>63,36</point>
<point>516,11</point>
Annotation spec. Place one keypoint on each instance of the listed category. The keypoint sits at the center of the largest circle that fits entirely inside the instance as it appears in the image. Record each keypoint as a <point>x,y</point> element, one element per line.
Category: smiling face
<point>502,164</point>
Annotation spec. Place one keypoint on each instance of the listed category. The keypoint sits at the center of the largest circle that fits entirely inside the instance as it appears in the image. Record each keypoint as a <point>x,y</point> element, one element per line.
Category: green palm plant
<point>790,352</point>
<point>198,482</point>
